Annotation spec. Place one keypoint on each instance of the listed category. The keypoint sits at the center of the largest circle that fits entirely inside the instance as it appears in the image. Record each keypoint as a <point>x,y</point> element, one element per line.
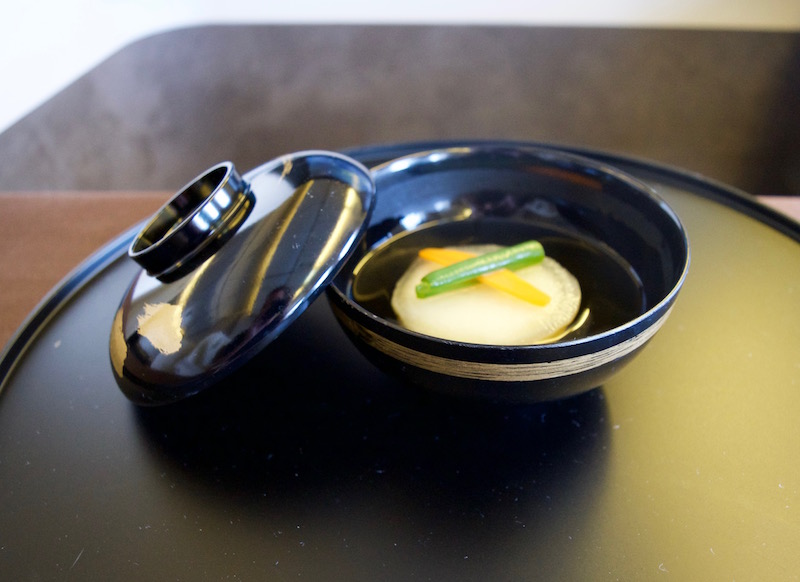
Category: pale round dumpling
<point>480,314</point>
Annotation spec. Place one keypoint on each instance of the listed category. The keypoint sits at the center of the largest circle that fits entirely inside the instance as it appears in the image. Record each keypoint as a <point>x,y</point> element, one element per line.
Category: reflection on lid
<point>160,324</point>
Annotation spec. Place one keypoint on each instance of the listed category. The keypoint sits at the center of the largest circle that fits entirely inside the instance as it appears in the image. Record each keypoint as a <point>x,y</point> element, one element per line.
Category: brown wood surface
<point>45,235</point>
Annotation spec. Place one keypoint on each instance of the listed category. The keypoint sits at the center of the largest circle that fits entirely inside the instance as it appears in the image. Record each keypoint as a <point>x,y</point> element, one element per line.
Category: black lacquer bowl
<point>627,248</point>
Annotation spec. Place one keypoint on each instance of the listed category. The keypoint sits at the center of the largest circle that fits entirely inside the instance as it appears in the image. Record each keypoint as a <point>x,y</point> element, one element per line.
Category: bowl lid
<point>228,263</point>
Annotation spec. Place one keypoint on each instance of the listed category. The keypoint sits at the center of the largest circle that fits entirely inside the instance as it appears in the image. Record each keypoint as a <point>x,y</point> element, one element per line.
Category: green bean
<point>514,257</point>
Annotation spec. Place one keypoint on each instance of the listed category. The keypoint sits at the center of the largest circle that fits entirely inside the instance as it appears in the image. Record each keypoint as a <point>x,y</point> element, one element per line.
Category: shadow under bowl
<point>625,246</point>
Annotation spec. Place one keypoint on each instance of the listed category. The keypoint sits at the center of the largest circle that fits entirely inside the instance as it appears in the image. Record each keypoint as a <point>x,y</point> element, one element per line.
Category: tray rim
<point>370,155</point>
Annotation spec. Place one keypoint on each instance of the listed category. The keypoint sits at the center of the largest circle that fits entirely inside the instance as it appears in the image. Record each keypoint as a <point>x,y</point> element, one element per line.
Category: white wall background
<point>46,44</point>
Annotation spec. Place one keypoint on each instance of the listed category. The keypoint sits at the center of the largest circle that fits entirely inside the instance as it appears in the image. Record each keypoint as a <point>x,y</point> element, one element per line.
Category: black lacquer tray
<point>310,463</point>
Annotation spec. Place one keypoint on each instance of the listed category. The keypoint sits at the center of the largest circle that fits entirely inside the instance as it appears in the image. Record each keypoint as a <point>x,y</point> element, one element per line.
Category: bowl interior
<point>625,246</point>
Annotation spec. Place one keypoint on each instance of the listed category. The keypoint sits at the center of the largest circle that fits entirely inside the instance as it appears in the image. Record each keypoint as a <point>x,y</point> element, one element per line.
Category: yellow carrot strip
<point>502,279</point>
<point>444,257</point>
<point>505,280</point>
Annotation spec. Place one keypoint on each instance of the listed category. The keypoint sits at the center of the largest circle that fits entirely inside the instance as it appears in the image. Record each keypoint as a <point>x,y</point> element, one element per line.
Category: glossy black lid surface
<point>229,262</point>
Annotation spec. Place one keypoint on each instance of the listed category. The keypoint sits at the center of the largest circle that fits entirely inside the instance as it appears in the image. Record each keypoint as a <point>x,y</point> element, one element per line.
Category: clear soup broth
<point>611,291</point>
